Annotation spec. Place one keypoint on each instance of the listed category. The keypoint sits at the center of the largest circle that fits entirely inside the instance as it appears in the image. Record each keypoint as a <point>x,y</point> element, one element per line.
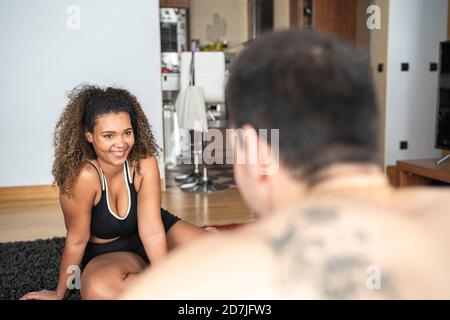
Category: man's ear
<point>260,154</point>
<point>268,152</point>
<point>248,148</point>
<point>88,136</point>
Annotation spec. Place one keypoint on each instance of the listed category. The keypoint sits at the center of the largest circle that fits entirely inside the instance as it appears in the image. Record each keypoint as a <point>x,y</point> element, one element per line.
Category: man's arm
<point>216,267</point>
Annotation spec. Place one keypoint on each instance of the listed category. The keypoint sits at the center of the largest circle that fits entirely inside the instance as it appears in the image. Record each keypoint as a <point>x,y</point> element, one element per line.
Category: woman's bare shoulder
<point>88,173</point>
<point>78,205</point>
<point>86,183</point>
<point>147,165</point>
<point>148,171</point>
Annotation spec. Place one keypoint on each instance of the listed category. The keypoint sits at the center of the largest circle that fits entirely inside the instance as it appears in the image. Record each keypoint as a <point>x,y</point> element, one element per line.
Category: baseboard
<point>26,193</point>
<point>38,192</point>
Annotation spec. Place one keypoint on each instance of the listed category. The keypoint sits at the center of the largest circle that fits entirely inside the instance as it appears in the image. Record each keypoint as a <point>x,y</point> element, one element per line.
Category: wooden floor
<point>30,220</point>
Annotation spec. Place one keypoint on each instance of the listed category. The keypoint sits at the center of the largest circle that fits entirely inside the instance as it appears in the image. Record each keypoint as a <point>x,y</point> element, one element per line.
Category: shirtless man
<point>331,227</point>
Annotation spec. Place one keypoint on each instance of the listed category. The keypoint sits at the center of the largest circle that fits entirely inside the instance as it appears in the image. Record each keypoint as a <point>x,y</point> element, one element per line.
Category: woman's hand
<point>41,295</point>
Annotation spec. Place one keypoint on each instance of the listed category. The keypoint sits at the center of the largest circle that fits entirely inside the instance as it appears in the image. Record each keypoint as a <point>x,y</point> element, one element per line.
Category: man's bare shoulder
<point>329,249</point>
<point>214,267</point>
<point>339,249</point>
<point>421,200</point>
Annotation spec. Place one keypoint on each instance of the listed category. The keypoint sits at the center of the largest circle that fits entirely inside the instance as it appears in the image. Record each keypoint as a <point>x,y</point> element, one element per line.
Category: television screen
<point>443,110</point>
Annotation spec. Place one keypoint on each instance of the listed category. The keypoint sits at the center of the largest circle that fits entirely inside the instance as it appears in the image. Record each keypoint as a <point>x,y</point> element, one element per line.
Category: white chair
<point>209,74</point>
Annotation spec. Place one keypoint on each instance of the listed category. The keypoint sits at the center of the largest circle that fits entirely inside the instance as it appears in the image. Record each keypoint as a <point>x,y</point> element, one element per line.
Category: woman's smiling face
<point>112,137</point>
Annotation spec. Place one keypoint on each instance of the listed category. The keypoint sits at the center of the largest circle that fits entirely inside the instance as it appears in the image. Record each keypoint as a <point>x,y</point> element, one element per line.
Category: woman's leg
<point>183,232</point>
<point>108,275</point>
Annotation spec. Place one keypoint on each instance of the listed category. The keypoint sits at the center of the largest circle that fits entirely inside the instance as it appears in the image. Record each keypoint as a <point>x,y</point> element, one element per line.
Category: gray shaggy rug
<point>30,266</point>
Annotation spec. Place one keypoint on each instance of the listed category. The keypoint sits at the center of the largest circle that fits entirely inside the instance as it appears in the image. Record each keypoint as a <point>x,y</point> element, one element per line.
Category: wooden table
<point>422,172</point>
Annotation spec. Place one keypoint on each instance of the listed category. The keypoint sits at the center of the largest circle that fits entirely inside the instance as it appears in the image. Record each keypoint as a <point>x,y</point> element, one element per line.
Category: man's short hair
<point>317,90</point>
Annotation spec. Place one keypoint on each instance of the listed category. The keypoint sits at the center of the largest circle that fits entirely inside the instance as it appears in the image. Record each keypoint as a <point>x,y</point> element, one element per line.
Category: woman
<point>109,184</point>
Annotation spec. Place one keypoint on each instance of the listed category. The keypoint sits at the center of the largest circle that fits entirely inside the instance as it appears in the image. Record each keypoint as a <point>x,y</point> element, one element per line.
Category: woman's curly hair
<point>86,103</point>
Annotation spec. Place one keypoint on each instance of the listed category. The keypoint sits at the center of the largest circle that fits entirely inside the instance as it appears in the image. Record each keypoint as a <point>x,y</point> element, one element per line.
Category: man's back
<point>373,243</point>
<point>332,227</point>
<point>360,241</point>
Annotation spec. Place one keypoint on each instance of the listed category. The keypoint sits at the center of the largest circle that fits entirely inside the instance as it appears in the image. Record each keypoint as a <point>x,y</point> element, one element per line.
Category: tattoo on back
<point>342,276</point>
<point>331,264</point>
<point>319,215</point>
<point>280,243</point>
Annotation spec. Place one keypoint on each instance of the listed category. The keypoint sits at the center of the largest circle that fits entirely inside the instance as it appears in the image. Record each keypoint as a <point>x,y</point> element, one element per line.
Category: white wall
<point>41,60</point>
<point>415,29</point>
<point>378,42</point>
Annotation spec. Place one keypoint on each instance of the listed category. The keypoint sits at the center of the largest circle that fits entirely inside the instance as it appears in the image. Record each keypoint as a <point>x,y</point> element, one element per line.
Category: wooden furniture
<point>391,172</point>
<point>336,17</point>
<point>422,172</point>
<point>175,4</point>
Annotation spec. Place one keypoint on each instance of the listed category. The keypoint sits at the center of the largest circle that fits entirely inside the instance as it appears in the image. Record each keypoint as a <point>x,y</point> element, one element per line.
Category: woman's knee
<point>100,288</point>
<point>105,277</point>
<point>182,233</point>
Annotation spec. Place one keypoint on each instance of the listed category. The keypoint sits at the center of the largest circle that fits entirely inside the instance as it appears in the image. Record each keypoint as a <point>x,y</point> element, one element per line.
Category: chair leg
<point>203,184</point>
<point>192,179</point>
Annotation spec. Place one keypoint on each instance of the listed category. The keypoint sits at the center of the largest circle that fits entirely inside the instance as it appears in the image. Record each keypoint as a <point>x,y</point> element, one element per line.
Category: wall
<point>415,29</point>
<point>378,55</point>
<point>281,14</point>
<point>41,60</point>
<point>235,12</point>
<point>445,152</point>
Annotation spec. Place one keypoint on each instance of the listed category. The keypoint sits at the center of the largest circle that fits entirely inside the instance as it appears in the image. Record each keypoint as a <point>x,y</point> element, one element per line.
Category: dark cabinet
<point>175,4</point>
<point>337,17</point>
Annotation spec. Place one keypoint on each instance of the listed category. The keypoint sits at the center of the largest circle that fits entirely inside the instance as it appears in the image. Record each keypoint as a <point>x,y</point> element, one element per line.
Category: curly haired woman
<point>109,184</point>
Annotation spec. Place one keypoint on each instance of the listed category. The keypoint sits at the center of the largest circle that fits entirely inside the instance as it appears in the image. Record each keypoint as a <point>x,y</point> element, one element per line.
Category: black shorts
<point>130,243</point>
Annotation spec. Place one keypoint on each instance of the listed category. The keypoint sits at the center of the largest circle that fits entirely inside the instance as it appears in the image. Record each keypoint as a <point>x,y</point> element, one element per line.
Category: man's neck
<point>288,192</point>
<point>350,177</point>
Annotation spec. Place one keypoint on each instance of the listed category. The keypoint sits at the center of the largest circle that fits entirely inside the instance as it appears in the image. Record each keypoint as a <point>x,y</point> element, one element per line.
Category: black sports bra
<point>105,223</point>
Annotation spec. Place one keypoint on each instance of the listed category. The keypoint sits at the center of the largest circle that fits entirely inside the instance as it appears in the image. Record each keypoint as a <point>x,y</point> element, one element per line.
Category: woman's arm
<point>151,228</point>
<point>77,218</point>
